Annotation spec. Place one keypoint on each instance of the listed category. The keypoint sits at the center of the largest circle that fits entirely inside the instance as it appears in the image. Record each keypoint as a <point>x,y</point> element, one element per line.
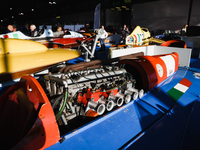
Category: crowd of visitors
<point>27,28</point>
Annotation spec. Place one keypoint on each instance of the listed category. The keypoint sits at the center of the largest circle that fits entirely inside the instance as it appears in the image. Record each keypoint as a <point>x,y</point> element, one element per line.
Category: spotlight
<point>21,14</point>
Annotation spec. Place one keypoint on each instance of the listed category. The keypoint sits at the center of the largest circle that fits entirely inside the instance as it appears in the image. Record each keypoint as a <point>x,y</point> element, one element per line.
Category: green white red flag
<point>179,89</point>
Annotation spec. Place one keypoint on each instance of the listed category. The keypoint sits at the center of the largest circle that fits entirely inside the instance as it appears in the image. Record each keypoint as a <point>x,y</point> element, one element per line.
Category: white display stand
<point>184,54</point>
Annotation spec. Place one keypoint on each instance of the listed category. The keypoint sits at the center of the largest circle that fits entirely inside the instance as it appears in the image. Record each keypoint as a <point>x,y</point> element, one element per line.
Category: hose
<point>70,109</point>
<point>63,106</point>
<point>56,101</point>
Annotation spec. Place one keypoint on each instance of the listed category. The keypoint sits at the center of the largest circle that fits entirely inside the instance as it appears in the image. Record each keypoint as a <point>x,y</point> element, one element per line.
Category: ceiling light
<point>52,3</point>
<point>21,14</point>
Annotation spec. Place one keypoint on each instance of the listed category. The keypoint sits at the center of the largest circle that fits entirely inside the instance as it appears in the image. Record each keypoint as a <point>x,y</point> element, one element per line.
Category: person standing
<point>59,32</point>
<point>9,28</point>
<point>184,30</point>
<point>26,29</point>
<point>34,31</point>
<point>14,28</point>
<point>103,36</point>
<point>124,33</point>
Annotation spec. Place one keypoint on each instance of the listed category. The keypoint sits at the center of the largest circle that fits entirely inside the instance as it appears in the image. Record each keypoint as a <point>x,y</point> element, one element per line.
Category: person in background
<point>59,32</point>
<point>34,31</point>
<point>124,33</point>
<point>86,28</point>
<point>26,29</point>
<point>10,28</point>
<point>131,29</point>
<point>14,28</point>
<point>184,30</point>
<point>104,35</point>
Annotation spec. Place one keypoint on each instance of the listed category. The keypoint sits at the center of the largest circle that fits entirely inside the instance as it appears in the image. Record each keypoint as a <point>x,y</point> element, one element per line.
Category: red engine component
<point>97,101</point>
<point>94,95</point>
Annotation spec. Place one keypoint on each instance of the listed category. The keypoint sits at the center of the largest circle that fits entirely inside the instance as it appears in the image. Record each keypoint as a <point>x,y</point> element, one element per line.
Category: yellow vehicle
<point>18,57</point>
<point>139,36</point>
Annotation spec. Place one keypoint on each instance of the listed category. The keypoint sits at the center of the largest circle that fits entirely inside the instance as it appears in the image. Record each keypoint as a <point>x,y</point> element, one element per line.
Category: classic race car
<point>130,102</point>
<point>47,37</point>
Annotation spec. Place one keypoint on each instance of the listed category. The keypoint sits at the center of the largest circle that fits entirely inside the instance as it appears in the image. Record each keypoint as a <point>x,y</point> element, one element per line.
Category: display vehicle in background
<point>167,35</point>
<point>142,36</point>
<point>47,37</point>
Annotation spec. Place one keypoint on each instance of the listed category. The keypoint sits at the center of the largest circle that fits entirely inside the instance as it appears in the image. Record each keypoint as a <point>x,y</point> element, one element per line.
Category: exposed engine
<point>90,92</point>
<point>92,88</point>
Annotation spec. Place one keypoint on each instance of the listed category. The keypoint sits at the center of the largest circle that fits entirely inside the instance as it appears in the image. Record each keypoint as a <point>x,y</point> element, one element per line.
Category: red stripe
<point>135,38</point>
<point>185,82</point>
<point>5,36</point>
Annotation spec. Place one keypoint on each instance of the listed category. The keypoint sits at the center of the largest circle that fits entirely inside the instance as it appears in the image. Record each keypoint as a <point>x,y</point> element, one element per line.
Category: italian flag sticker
<point>179,89</point>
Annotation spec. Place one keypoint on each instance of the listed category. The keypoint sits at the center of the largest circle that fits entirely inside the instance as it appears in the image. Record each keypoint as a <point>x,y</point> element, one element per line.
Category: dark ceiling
<point>26,11</point>
<point>20,11</point>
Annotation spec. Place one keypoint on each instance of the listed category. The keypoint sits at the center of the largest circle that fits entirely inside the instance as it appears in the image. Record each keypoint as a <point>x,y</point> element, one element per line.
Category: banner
<point>97,14</point>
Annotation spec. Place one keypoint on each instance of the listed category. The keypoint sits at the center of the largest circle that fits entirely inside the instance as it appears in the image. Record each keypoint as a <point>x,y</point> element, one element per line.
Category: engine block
<point>89,92</point>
